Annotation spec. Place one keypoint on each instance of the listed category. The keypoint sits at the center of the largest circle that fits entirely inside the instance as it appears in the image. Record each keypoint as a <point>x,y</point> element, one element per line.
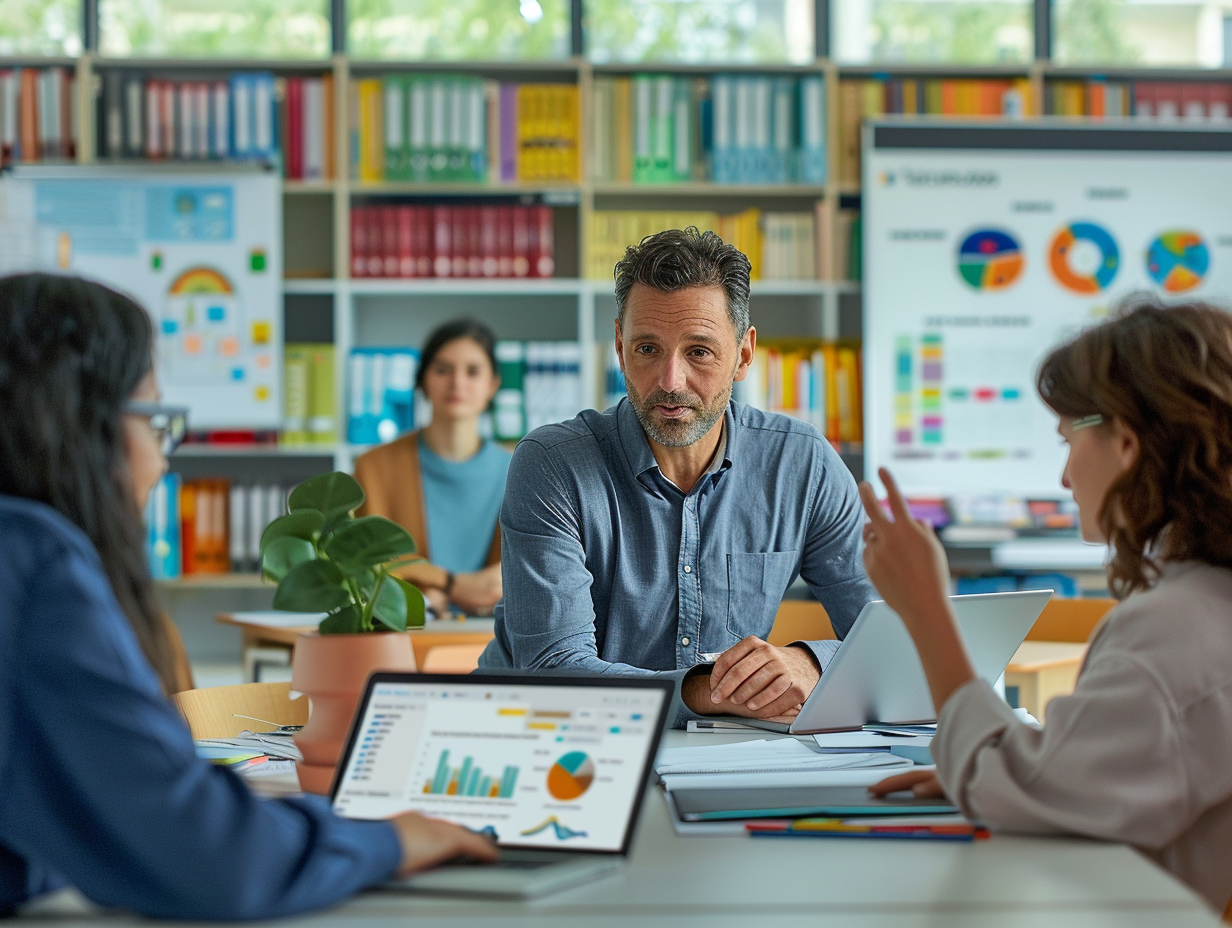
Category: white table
<point>717,882</point>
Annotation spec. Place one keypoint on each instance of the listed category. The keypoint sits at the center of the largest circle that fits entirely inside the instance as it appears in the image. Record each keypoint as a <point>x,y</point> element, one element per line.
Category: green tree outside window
<point>496,30</point>
<point>215,28</point>
<point>933,31</point>
<point>763,31</point>
<point>40,27</point>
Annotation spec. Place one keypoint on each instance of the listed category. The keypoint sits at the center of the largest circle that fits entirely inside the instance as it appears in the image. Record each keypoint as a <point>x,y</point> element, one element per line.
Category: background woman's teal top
<point>462,500</point>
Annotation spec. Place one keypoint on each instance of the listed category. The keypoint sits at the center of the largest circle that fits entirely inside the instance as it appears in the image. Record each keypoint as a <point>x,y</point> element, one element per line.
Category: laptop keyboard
<point>509,861</point>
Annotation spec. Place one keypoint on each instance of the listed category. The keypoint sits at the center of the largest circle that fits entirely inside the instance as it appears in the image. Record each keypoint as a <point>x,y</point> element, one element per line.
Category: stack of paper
<point>760,763</point>
<point>252,752</point>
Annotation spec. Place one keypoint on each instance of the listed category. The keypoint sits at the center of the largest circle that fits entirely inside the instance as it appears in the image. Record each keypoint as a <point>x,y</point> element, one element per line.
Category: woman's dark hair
<point>71,354</point>
<point>1166,373</point>
<point>442,335</point>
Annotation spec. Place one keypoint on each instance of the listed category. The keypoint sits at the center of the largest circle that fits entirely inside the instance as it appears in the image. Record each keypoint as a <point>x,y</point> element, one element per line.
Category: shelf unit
<point>381,311</point>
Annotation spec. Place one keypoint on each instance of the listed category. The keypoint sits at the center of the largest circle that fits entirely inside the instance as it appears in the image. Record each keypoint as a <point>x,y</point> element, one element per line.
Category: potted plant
<point>324,559</point>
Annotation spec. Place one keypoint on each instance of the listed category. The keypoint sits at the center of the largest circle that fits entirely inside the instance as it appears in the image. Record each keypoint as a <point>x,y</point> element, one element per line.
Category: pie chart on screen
<point>1178,260</point>
<point>571,776</point>
<point>990,259</point>
<point>1084,257</point>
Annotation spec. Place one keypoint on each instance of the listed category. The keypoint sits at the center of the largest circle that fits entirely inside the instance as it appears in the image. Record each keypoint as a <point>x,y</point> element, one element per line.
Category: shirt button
<point>688,569</point>
<point>685,642</point>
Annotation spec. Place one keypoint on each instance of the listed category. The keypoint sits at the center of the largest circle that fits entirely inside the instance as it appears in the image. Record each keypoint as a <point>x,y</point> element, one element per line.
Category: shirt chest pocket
<point>756,582</point>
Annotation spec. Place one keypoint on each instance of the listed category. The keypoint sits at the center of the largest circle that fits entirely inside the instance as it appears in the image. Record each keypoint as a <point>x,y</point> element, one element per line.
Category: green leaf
<point>313,586</point>
<point>390,606</point>
<point>304,524</point>
<point>347,621</point>
<point>367,584</point>
<point>282,555</point>
<point>330,494</point>
<point>415,616</point>
<point>368,542</point>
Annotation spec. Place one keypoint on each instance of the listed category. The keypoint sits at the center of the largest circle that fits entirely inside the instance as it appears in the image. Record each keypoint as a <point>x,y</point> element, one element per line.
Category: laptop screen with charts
<point>555,763</point>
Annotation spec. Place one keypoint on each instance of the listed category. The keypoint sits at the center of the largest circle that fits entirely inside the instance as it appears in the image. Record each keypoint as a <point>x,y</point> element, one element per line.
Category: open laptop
<point>876,675</point>
<point>553,767</point>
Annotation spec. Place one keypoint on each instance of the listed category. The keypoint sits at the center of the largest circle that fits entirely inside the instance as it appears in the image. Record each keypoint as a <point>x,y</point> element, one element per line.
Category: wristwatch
<point>448,587</point>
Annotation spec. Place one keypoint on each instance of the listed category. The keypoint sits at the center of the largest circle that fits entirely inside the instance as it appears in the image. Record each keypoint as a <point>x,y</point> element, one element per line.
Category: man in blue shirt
<point>666,529</point>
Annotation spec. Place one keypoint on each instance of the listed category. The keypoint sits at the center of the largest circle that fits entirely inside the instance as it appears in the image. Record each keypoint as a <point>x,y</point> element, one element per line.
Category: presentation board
<point>987,245</point>
<point>201,251</point>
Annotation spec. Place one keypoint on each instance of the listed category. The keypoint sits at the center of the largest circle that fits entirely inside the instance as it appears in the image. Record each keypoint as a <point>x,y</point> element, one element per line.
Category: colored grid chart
<point>468,779</point>
<point>948,403</point>
<point>931,368</point>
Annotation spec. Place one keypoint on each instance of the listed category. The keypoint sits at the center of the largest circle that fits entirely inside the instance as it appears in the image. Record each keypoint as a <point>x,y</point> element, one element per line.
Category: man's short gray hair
<point>677,259</point>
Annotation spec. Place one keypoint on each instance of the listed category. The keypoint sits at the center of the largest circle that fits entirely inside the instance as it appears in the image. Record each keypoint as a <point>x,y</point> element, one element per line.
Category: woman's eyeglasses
<point>1086,422</point>
<point>169,423</point>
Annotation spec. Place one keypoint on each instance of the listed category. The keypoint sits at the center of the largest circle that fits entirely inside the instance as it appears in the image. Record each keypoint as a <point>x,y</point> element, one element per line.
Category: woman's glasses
<point>169,423</point>
<point>1086,422</point>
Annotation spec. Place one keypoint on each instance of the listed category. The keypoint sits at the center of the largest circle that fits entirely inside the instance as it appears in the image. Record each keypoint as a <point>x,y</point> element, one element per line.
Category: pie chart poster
<point>978,260</point>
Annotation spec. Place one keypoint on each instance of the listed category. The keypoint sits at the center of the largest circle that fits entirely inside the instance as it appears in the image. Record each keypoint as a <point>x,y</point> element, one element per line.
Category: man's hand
<point>427,842</point>
<point>758,680</point>
<point>922,783</point>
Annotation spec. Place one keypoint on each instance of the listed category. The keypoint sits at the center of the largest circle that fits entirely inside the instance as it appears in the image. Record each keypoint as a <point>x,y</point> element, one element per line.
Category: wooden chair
<point>1061,620</point>
<point>800,620</point>
<point>211,712</point>
<point>1069,619</point>
<point>452,658</point>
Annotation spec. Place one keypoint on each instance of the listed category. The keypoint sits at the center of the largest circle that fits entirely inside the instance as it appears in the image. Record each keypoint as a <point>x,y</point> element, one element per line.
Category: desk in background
<point>271,636</point>
<point>1040,670</point>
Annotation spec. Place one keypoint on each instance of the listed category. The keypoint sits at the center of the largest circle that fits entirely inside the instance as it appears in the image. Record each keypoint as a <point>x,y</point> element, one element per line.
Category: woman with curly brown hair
<point>1141,752</point>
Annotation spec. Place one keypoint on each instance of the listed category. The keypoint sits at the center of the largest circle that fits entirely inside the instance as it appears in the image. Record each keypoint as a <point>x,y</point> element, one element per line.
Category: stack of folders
<point>253,753</point>
<point>816,788</point>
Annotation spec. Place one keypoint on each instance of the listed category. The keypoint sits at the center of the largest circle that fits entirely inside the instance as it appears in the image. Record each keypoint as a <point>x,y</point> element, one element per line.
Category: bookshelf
<point>325,302</point>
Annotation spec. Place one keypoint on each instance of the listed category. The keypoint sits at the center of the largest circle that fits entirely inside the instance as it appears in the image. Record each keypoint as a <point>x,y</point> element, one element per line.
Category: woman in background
<point>100,786</point>
<point>1141,752</point>
<point>444,483</point>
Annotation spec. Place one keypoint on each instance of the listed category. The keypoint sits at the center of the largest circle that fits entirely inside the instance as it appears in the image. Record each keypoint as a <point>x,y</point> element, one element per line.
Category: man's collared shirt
<point>608,567</point>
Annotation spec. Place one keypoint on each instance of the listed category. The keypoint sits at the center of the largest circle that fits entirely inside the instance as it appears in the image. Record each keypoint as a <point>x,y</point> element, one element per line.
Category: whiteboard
<point>200,250</point>
<point>987,245</point>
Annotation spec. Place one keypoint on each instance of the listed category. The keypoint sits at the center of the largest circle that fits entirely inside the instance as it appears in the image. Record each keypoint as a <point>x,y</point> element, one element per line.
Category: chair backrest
<point>800,620</point>
<point>1061,620</point>
<point>211,712</point>
<point>1069,619</point>
<point>452,658</point>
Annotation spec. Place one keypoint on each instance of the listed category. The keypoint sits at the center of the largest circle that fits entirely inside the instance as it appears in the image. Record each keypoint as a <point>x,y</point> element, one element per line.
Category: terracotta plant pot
<point>331,671</point>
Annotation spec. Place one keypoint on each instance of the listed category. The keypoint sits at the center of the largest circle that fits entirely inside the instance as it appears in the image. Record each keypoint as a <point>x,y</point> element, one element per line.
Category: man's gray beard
<point>672,434</point>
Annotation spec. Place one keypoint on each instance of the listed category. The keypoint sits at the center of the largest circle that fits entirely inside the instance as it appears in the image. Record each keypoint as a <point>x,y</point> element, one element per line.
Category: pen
<point>889,835</point>
<point>837,828</point>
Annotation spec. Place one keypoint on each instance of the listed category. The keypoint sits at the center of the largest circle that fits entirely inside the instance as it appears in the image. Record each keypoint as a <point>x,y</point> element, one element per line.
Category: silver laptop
<point>553,768</point>
<point>876,675</point>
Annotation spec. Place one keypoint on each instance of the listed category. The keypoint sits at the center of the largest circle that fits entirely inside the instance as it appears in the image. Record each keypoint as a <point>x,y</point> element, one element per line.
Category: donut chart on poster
<point>1080,279</point>
<point>990,259</point>
<point>1178,260</point>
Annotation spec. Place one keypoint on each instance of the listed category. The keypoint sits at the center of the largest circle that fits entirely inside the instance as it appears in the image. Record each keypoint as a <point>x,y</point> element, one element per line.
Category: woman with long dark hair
<point>1141,752</point>
<point>444,483</point>
<point>100,787</point>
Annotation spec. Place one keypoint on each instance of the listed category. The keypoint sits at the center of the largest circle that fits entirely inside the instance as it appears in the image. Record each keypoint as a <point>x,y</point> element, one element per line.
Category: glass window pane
<point>942,31</point>
<point>719,31</point>
<point>215,28</point>
<point>1189,34</point>
<point>40,27</point>
<point>499,30</point>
